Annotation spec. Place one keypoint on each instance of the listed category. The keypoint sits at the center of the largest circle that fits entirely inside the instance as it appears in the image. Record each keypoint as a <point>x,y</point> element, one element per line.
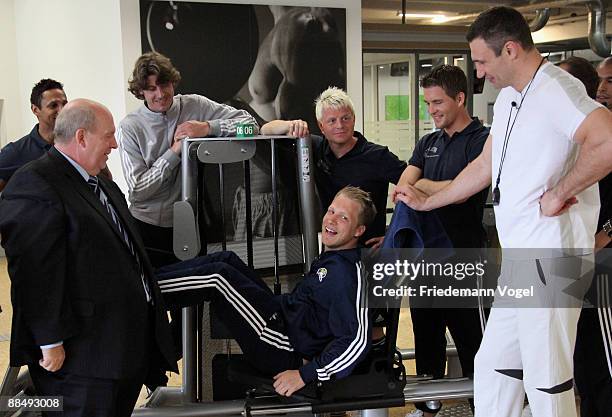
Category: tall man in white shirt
<point>548,146</point>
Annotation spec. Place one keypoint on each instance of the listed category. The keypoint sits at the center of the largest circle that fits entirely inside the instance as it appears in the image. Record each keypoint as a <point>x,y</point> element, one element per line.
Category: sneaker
<point>415,413</point>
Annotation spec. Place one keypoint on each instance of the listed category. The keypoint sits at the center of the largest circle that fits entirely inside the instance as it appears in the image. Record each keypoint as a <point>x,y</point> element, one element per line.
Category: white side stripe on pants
<point>605,316</point>
<point>246,310</point>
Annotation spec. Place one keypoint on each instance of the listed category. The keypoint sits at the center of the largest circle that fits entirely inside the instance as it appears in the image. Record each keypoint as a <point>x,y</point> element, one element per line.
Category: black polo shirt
<point>16,154</point>
<point>442,158</point>
<point>368,166</point>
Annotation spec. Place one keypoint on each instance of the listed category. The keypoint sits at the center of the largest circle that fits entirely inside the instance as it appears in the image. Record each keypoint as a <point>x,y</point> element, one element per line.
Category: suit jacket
<point>73,277</point>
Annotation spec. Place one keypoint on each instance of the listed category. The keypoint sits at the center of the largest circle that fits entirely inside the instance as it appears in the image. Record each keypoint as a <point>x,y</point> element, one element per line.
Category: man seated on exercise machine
<point>319,331</point>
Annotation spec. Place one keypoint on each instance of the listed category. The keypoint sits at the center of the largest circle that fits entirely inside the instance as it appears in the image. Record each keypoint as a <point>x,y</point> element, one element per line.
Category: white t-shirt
<point>540,152</point>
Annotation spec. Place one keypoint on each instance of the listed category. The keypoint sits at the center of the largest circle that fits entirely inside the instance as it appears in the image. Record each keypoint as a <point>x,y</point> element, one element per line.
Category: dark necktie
<point>93,183</point>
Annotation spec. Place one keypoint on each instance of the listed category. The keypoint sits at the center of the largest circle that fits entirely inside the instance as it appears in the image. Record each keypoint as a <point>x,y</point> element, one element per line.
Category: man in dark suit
<point>86,319</point>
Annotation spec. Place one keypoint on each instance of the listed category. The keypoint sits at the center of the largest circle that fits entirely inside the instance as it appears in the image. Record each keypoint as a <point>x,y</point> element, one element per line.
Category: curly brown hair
<point>152,63</point>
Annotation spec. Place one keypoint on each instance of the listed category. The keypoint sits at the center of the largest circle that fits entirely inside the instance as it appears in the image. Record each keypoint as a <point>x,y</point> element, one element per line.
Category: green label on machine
<point>244,130</point>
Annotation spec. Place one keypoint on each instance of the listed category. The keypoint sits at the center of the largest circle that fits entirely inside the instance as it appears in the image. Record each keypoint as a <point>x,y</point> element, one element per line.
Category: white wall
<point>78,43</point>
<point>10,115</point>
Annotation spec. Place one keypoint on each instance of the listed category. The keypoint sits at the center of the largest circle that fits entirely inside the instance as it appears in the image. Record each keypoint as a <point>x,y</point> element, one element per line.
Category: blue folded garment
<point>418,230</point>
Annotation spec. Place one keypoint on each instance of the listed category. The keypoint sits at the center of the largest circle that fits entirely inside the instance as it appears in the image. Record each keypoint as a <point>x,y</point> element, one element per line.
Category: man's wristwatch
<point>607,227</point>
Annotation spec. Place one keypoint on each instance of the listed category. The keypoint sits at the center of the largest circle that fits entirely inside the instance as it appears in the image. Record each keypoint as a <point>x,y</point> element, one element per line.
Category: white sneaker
<point>415,413</point>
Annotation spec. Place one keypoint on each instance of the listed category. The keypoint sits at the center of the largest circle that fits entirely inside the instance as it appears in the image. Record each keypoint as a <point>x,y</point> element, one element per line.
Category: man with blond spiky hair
<point>345,157</point>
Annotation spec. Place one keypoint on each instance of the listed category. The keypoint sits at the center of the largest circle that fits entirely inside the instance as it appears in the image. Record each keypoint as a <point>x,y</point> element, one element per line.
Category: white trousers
<point>528,344</point>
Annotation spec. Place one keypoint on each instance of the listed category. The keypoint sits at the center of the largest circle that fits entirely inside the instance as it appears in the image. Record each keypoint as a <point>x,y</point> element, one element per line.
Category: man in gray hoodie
<point>150,145</point>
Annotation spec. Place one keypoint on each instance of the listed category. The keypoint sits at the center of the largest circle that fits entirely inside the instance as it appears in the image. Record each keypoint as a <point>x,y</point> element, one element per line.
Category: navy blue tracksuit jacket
<point>326,318</point>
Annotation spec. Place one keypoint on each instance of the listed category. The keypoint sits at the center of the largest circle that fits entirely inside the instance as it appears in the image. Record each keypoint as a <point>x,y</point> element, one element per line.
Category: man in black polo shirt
<point>47,99</point>
<point>344,157</point>
<point>438,157</point>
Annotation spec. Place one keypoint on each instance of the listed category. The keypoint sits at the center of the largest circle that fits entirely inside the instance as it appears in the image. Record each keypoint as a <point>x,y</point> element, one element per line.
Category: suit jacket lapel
<point>83,188</point>
<point>118,201</point>
<point>116,198</point>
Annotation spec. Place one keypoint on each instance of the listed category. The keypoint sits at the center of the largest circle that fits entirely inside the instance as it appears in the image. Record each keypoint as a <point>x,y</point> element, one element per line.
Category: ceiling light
<point>381,67</point>
<point>439,19</point>
<point>435,18</point>
<point>426,65</point>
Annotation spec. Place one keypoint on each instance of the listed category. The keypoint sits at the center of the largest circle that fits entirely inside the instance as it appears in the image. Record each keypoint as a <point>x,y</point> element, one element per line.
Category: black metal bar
<point>249,215</point>
<point>199,319</point>
<point>189,328</point>
<point>277,284</point>
<point>199,316</point>
<point>408,354</point>
<point>9,381</point>
<point>392,329</point>
<point>222,205</point>
<point>416,101</point>
<point>199,199</point>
